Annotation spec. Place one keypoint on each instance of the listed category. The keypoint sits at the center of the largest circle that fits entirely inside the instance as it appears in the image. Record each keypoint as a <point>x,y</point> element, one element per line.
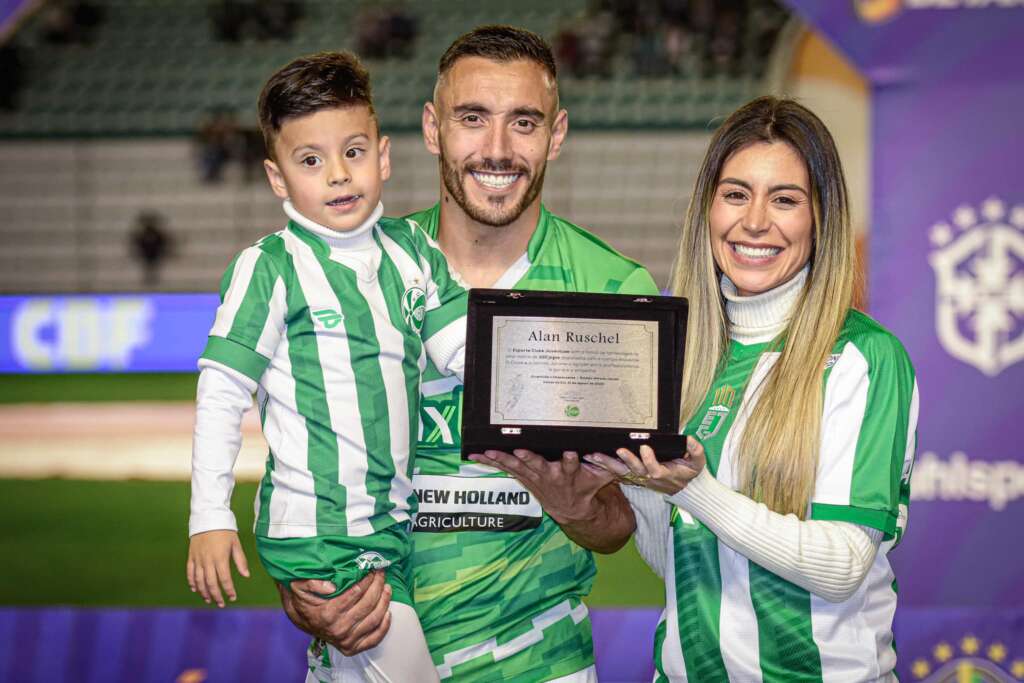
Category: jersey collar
<point>430,221</point>
<point>351,240</point>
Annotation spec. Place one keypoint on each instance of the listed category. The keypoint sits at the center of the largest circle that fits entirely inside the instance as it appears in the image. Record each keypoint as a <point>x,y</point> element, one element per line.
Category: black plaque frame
<point>479,434</point>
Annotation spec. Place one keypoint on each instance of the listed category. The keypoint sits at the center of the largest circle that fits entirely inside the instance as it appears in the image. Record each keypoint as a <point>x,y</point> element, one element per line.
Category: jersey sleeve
<point>444,327</point>
<point>638,282</point>
<point>868,437</point>
<point>250,320</point>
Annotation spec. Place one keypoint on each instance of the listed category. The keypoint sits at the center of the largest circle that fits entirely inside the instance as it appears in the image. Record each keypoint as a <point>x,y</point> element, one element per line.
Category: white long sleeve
<point>447,348</point>
<point>829,559</point>
<point>222,397</point>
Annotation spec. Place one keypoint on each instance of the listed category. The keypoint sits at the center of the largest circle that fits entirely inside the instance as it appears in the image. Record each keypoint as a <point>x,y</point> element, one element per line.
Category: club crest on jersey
<point>716,414</point>
<point>328,318</point>
<point>414,307</point>
<point>979,277</point>
<point>372,560</point>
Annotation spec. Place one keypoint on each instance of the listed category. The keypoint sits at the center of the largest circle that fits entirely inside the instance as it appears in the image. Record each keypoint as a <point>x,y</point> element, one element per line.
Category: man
<point>498,588</point>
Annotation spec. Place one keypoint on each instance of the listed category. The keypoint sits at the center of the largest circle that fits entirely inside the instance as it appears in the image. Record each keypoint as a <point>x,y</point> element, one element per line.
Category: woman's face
<point>761,218</point>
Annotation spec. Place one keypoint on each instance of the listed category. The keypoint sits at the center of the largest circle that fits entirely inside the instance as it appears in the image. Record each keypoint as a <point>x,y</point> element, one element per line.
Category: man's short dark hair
<point>499,43</point>
<point>326,80</point>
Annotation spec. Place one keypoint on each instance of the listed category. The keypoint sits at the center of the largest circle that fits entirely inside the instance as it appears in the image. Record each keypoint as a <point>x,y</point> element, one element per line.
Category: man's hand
<point>208,567</point>
<point>575,494</point>
<point>352,622</point>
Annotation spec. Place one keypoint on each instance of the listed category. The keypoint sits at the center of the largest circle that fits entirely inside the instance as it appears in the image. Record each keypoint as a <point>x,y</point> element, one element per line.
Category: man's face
<point>494,127</point>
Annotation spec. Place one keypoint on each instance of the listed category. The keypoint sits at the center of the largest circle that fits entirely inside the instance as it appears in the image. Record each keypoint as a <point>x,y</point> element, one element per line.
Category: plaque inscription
<point>577,372</point>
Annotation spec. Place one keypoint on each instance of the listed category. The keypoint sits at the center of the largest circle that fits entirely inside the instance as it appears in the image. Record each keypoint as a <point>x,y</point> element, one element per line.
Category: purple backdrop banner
<point>946,275</point>
<point>261,646</point>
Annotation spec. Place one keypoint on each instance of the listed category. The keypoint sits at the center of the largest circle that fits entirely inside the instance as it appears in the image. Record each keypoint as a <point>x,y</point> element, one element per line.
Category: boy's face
<point>332,165</point>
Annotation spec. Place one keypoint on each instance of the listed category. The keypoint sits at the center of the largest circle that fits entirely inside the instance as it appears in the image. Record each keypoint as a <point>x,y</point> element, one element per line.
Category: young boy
<point>327,320</point>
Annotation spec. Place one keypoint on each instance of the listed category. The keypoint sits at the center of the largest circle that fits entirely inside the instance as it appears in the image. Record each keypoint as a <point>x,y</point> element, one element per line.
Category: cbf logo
<point>968,659</point>
<point>719,410</point>
<point>979,274</point>
<point>414,307</point>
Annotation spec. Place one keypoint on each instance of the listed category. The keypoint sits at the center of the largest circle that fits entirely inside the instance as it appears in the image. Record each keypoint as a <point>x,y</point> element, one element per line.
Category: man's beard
<point>497,212</point>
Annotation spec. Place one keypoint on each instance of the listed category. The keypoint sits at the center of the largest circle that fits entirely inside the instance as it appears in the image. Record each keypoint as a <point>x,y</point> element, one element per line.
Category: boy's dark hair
<point>499,43</point>
<point>306,85</point>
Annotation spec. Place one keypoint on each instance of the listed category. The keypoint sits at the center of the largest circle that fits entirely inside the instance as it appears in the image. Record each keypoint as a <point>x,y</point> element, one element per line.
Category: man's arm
<point>580,497</point>
<point>352,622</point>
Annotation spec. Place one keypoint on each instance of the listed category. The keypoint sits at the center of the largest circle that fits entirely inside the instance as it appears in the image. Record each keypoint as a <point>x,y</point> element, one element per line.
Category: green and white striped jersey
<point>727,618</point>
<point>498,585</point>
<point>335,329</point>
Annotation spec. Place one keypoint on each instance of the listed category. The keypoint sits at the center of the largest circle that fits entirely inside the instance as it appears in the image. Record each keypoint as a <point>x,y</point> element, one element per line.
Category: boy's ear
<point>430,126</point>
<point>276,179</point>
<point>384,153</point>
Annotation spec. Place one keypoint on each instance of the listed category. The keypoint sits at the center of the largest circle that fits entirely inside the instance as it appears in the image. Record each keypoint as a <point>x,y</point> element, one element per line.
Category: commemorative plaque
<point>567,371</point>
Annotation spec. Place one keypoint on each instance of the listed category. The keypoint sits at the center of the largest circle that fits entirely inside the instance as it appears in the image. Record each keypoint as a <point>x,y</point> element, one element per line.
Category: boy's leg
<point>401,657</point>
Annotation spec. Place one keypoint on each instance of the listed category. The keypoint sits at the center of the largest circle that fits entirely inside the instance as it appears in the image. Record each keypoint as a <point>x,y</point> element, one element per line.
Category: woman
<point>772,533</point>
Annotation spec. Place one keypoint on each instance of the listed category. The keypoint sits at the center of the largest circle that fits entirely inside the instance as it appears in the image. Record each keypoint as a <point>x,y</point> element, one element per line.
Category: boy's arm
<point>444,327</point>
<point>248,327</point>
<point>222,397</point>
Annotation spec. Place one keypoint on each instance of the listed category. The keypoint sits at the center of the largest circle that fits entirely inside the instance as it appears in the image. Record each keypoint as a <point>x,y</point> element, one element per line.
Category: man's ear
<point>431,124</point>
<point>384,154</point>
<point>276,179</point>
<point>559,130</point>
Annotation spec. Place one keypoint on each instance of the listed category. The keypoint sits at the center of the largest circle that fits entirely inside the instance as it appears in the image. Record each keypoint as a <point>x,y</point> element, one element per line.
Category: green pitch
<point>94,543</point>
<point>144,386</point>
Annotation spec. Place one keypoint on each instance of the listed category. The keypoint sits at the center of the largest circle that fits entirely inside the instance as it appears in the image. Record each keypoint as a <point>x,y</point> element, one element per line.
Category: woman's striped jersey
<point>728,618</point>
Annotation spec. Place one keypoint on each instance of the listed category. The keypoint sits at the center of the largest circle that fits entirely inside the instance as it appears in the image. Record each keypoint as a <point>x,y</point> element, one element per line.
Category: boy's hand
<point>208,565</point>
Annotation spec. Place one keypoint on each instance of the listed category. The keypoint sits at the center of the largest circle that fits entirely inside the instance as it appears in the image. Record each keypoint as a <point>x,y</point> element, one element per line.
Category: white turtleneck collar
<point>357,238</point>
<point>761,317</point>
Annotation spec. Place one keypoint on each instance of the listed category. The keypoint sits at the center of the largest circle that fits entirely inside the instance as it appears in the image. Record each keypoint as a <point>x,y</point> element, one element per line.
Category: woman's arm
<point>829,559</point>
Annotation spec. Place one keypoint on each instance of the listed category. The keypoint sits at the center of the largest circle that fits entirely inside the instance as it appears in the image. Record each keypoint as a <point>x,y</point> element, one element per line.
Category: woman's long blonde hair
<point>778,451</point>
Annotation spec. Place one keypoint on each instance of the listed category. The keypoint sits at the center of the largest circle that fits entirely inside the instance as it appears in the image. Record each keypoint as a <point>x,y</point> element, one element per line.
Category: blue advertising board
<point>104,333</point>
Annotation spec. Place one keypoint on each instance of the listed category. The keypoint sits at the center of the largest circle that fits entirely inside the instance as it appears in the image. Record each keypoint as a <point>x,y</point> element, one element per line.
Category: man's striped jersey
<point>727,618</point>
<point>333,328</point>
<point>498,585</point>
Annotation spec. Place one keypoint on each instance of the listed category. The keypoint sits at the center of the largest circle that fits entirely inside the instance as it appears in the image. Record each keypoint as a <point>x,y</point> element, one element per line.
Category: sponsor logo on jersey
<point>717,413</point>
<point>979,277</point>
<point>460,503</point>
<point>414,307</point>
<point>328,318</point>
<point>372,560</point>
<point>969,659</point>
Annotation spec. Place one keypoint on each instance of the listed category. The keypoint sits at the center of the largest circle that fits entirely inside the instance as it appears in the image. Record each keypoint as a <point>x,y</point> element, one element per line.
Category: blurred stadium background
<point>130,174</point>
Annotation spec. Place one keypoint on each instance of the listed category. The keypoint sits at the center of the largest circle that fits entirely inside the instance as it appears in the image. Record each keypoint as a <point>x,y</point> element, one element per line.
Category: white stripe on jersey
<point>273,328</point>
<point>235,295</point>
<point>292,511</point>
<point>737,623</point>
<point>392,354</point>
<point>672,648</point>
<point>342,399</point>
<point>846,393</point>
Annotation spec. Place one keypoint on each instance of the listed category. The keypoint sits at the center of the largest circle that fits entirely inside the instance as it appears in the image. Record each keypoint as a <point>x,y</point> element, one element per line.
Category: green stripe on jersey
<point>475,586</point>
<point>787,649</point>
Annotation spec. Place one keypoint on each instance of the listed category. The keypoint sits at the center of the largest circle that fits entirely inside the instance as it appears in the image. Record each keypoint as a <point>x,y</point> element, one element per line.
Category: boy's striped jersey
<point>336,331</point>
